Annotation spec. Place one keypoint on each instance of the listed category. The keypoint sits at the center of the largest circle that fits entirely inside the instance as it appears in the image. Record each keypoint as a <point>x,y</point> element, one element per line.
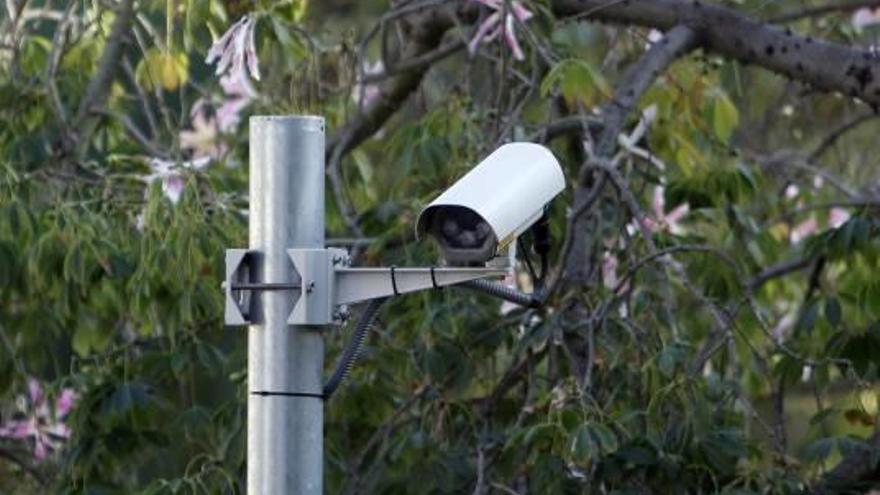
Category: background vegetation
<point>712,324</point>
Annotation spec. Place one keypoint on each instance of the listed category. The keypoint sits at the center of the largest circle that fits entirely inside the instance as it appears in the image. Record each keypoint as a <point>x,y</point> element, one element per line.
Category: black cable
<point>527,259</point>
<point>434,279</point>
<point>542,242</point>
<point>353,349</point>
<point>394,281</point>
<point>504,292</point>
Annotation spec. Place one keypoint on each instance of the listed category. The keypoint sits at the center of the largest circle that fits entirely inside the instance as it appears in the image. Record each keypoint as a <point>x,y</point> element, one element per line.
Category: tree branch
<point>837,133</point>
<point>99,86</point>
<point>635,81</point>
<point>822,64</point>
<point>776,271</point>
<point>98,89</point>
<point>424,30</point>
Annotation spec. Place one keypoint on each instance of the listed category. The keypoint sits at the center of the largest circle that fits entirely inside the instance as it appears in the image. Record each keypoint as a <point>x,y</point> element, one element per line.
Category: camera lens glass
<point>461,228</point>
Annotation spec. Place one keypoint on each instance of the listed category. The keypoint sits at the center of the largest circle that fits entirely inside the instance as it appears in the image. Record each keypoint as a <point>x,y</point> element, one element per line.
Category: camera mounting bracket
<point>325,284</point>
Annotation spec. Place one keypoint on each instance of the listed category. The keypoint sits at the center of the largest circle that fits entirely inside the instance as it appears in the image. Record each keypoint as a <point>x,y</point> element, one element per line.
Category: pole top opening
<point>307,122</point>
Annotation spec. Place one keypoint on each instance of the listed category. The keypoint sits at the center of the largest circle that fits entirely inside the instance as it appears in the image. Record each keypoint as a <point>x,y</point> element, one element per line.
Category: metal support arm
<point>361,284</point>
<point>327,284</point>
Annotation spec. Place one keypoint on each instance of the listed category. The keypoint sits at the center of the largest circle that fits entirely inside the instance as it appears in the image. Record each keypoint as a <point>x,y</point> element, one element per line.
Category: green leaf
<point>606,438</point>
<point>210,357</point>
<point>822,415</point>
<point>819,450</point>
<point>725,117</point>
<point>583,447</point>
<point>577,80</point>
<point>832,311</point>
<point>808,319</point>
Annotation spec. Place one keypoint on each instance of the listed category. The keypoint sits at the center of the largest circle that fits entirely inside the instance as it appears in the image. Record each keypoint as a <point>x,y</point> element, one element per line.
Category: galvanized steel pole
<point>285,449</point>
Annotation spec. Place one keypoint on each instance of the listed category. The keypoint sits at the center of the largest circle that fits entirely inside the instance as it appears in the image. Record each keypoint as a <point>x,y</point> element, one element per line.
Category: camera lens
<point>451,228</point>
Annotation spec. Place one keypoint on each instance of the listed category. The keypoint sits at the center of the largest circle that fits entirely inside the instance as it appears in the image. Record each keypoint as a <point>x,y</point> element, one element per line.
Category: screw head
<point>341,313</point>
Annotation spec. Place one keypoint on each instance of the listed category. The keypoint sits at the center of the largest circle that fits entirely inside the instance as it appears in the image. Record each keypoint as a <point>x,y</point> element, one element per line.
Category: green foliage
<point>577,81</point>
<point>655,369</point>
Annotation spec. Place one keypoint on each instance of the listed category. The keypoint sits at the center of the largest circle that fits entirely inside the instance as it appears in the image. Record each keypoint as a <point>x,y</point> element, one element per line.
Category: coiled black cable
<point>353,349</point>
<point>504,292</point>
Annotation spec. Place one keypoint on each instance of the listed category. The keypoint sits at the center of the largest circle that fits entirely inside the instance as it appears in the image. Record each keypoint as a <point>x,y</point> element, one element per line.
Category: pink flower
<point>171,174</point>
<point>501,22</point>
<point>365,93</point>
<point>236,52</point>
<point>37,422</point>
<point>837,216</point>
<point>239,94</point>
<point>663,221</point>
<point>609,270</point>
<point>203,138</point>
<point>236,57</point>
<point>804,230</point>
<point>865,17</point>
<point>208,123</point>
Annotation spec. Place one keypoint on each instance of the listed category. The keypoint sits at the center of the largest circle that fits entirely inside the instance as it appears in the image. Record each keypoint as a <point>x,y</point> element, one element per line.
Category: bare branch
<point>636,80</point>
<point>98,90</point>
<point>424,30</point>
<point>837,133</point>
<point>776,271</point>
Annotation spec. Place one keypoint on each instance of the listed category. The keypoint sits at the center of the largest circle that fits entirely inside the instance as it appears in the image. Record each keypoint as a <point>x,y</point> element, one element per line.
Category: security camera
<point>487,209</point>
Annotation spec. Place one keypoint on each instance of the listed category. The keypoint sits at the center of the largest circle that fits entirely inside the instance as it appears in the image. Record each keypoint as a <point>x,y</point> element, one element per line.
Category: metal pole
<point>285,448</point>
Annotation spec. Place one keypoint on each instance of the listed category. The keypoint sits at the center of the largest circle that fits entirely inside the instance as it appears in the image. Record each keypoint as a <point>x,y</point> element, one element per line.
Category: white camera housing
<point>484,211</point>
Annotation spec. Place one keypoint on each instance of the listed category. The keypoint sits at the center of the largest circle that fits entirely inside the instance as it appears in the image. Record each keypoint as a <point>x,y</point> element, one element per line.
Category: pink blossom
<point>171,174</point>
<point>203,138</point>
<point>37,422</point>
<point>208,123</point>
<point>239,94</point>
<point>837,216</point>
<point>804,230</point>
<point>236,52</point>
<point>65,402</point>
<point>663,221</point>
<point>501,22</point>
<point>229,114</point>
<point>609,271</point>
<point>865,17</point>
<point>365,93</point>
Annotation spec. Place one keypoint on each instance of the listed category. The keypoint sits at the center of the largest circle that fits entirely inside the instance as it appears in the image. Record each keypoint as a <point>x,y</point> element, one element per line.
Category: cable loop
<point>394,281</point>
<point>434,279</point>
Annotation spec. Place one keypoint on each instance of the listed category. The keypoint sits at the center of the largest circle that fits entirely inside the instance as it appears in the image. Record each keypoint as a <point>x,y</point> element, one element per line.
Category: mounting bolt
<point>310,286</point>
<point>341,313</point>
